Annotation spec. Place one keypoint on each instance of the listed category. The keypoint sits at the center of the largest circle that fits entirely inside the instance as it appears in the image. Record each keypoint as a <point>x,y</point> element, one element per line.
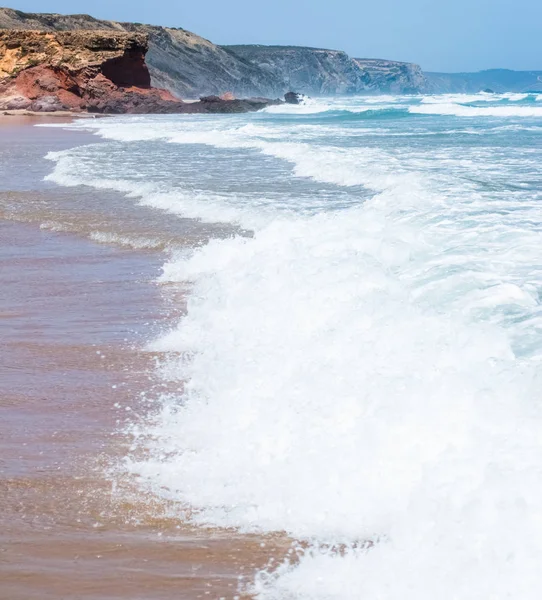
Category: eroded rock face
<point>95,71</point>
<point>390,76</point>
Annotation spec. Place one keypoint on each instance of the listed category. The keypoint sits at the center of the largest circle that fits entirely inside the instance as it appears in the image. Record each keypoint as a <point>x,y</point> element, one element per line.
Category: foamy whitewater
<point>363,370</point>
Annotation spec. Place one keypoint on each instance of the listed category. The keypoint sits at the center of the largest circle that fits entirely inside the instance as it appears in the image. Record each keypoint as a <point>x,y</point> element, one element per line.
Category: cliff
<point>186,64</point>
<point>190,66</point>
<point>390,76</point>
<point>306,70</point>
<point>498,80</point>
<point>92,71</point>
<point>317,71</point>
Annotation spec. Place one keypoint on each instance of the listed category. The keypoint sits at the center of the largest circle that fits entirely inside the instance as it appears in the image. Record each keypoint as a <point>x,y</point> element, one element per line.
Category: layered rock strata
<point>91,71</point>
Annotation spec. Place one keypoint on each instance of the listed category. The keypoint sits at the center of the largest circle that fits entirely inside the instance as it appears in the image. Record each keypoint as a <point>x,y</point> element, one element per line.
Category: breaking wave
<point>363,371</point>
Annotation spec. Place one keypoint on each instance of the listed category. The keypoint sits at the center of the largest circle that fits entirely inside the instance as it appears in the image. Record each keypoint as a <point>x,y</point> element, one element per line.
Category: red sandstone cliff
<point>94,71</point>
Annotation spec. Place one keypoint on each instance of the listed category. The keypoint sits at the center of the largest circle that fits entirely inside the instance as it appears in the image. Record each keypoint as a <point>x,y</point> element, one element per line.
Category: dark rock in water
<point>215,104</point>
<point>488,91</point>
<point>292,98</point>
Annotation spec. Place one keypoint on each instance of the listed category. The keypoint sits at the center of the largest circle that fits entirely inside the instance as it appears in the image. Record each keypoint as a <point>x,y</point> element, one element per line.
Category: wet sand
<point>74,319</point>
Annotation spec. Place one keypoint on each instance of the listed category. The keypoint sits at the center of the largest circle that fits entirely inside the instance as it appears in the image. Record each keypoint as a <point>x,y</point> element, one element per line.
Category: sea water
<point>360,358</point>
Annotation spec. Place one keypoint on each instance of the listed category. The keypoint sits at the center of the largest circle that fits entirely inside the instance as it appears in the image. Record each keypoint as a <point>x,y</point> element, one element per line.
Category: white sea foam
<point>511,97</point>
<point>342,166</point>
<point>70,171</point>
<point>320,378</point>
<point>328,400</point>
<point>372,168</point>
<point>54,226</point>
<point>459,110</point>
<point>194,204</point>
<point>380,99</point>
<point>469,98</point>
<point>309,108</point>
<point>365,104</point>
<point>364,374</point>
<point>128,241</point>
<point>458,98</point>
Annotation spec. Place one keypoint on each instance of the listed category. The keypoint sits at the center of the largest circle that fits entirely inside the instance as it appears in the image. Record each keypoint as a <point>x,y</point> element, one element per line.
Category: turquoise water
<point>363,350</point>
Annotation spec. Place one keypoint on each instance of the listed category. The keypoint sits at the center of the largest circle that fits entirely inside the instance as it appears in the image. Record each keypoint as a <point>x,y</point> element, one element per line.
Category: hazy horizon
<point>458,38</point>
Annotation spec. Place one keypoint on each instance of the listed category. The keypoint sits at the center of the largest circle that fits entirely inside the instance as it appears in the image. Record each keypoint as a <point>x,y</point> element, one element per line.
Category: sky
<point>440,35</point>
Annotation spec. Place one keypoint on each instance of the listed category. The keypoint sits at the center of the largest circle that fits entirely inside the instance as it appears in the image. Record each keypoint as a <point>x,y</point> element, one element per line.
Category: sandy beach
<point>75,316</point>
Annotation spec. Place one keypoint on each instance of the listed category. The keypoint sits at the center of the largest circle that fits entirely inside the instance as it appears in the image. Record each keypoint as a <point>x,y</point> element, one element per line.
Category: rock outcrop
<point>92,71</point>
<point>217,105</point>
<point>293,98</point>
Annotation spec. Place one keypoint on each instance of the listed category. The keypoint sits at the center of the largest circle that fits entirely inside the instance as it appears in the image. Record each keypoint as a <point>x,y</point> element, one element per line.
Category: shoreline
<point>76,315</point>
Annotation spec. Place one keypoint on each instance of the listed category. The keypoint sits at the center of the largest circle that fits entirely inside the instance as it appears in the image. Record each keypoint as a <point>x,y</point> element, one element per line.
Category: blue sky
<point>460,35</point>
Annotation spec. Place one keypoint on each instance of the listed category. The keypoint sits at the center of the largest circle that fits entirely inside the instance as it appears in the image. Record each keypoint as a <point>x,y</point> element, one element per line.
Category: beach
<point>75,316</point>
<point>292,354</point>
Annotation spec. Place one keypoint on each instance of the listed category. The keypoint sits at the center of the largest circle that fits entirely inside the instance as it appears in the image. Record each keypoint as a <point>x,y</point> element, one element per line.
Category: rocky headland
<point>390,76</point>
<point>317,71</point>
<point>91,71</point>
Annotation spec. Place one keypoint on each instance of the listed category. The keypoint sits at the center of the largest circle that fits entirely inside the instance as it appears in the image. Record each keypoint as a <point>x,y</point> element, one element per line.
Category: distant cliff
<point>498,80</point>
<point>319,71</point>
<point>391,76</point>
<point>190,66</point>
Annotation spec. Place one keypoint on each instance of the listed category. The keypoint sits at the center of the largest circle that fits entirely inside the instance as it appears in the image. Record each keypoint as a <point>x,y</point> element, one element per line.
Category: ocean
<point>358,365</point>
